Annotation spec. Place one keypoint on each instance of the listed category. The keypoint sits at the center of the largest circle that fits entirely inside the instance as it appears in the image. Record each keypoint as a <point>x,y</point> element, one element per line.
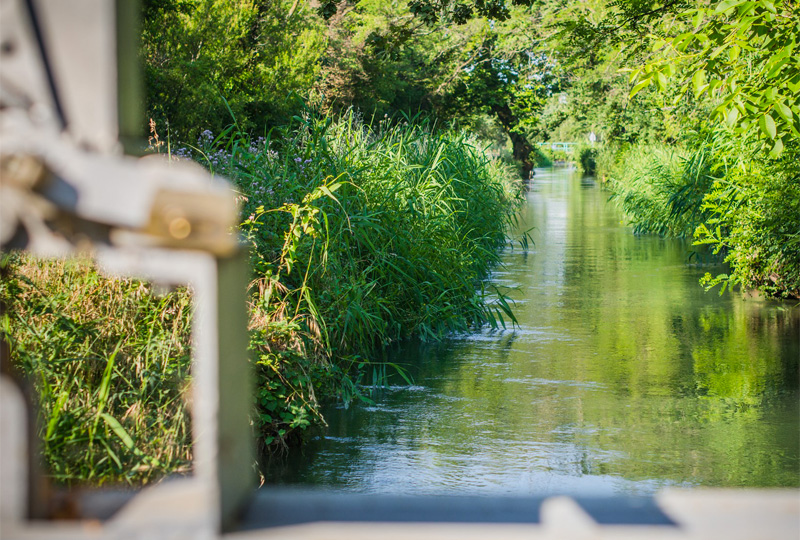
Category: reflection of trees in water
<point>623,368</point>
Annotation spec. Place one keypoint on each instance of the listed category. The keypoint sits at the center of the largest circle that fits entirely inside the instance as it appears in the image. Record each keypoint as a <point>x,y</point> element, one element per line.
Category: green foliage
<point>721,192</point>
<point>587,158</point>
<point>417,217</point>
<point>360,237</point>
<point>432,12</point>
<point>738,80</point>
<point>109,360</point>
<point>755,217</point>
<point>661,189</point>
<point>743,56</point>
<point>540,158</point>
<point>208,59</point>
<point>590,94</point>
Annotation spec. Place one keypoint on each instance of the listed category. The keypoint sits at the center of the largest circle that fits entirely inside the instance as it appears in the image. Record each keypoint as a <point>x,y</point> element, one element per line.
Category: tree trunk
<point>522,149</point>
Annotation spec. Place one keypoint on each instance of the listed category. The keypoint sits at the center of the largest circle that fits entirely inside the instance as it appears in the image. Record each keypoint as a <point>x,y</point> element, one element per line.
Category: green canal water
<point>624,377</point>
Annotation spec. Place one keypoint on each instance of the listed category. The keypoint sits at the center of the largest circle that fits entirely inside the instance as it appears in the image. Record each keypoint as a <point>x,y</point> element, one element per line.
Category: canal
<point>623,377</point>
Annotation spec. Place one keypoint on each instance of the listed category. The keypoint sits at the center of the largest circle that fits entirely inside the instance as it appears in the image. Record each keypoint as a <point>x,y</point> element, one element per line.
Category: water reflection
<point>625,376</point>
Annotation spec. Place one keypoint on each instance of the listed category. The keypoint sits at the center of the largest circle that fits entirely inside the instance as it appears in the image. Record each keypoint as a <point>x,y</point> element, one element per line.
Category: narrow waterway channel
<point>623,377</point>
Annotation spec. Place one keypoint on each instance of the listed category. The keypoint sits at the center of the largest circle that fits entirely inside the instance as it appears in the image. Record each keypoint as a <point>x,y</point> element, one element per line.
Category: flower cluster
<point>257,146</point>
<point>206,138</point>
<point>301,164</point>
<point>183,153</point>
<point>219,159</point>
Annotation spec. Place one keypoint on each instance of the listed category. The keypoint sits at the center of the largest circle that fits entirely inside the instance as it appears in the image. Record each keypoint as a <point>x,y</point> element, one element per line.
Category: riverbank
<point>723,192</point>
<point>623,377</point>
<point>359,238</point>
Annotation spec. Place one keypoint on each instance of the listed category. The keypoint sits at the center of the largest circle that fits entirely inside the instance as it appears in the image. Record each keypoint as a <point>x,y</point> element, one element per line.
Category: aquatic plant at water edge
<point>660,188</point>
<point>358,237</point>
<point>361,237</point>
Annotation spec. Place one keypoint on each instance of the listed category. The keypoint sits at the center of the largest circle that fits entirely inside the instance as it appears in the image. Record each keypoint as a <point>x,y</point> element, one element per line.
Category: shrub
<point>540,158</point>
<point>587,159</point>
<point>755,219</point>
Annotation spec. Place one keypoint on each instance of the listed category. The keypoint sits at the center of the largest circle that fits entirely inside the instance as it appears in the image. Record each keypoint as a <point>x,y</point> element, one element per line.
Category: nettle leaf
<point>767,125</point>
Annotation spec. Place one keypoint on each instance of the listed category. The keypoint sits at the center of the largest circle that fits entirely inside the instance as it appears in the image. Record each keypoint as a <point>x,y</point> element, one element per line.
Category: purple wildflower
<point>205,138</point>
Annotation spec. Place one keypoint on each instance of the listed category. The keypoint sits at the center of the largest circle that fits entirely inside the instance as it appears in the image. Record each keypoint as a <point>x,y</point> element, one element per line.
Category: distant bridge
<point>566,147</point>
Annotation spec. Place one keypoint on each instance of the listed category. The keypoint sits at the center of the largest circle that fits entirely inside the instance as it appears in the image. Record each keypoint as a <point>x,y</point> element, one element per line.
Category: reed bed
<point>359,237</point>
<point>386,234</point>
<point>661,188</point>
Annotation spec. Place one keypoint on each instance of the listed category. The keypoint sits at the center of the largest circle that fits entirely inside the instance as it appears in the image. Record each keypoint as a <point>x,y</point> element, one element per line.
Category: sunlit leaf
<point>639,86</point>
<point>732,117</point>
<point>698,82</point>
<point>794,84</point>
<point>777,148</point>
<point>771,93</point>
<point>727,5</point>
<point>784,111</point>
<point>662,80</point>
<point>767,125</point>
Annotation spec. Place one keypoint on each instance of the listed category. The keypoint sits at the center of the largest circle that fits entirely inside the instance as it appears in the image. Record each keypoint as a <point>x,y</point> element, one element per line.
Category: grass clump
<point>661,188</point>
<point>109,360</point>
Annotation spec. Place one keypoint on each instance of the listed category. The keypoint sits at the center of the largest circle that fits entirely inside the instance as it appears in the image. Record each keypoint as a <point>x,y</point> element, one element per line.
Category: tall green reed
<point>661,188</point>
<point>387,234</point>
